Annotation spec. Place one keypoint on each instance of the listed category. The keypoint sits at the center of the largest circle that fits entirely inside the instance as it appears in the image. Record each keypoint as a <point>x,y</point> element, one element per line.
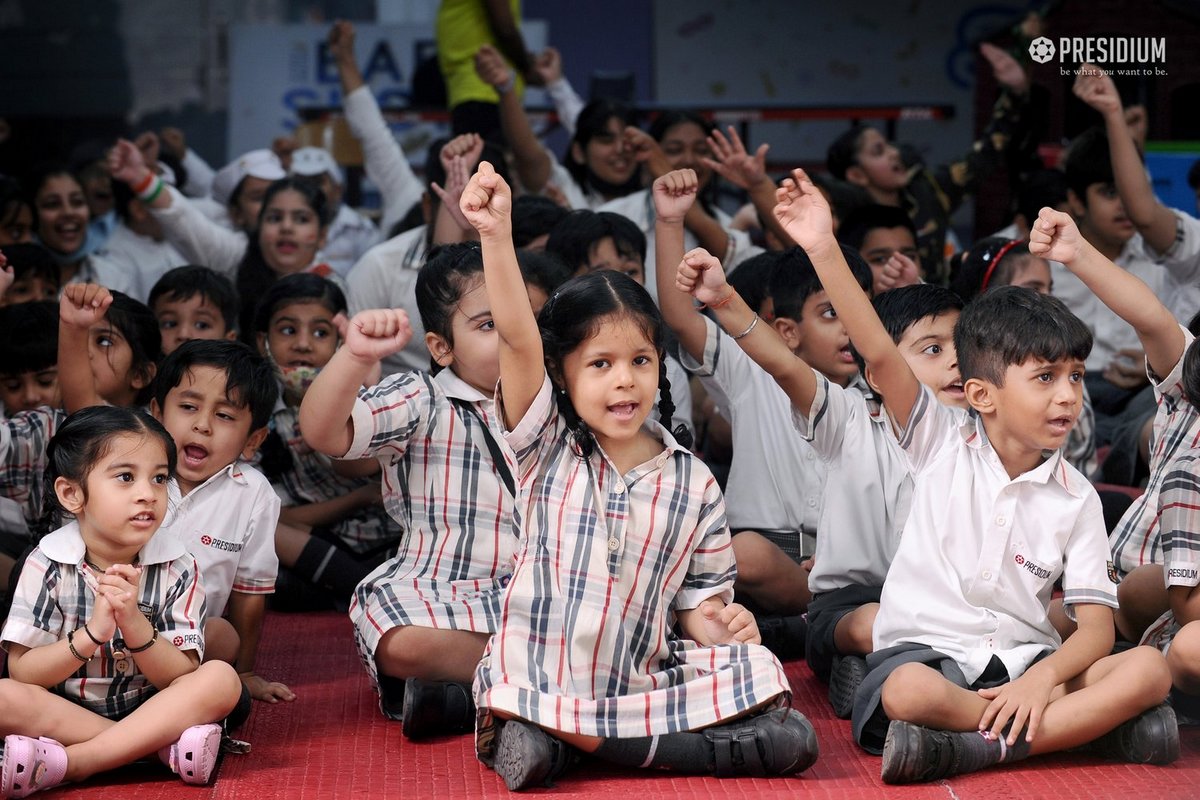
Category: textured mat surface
<point>333,743</point>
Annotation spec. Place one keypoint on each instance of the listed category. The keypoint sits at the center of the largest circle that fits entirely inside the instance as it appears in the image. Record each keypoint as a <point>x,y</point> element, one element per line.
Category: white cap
<point>262,164</point>
<point>315,161</point>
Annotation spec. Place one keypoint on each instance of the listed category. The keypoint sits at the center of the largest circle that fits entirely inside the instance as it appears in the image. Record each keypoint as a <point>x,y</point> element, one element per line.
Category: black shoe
<point>433,708</point>
<point>914,754</point>
<point>1151,737</point>
<point>779,742</point>
<point>784,636</point>
<point>391,696</point>
<point>528,756</point>
<point>847,675</point>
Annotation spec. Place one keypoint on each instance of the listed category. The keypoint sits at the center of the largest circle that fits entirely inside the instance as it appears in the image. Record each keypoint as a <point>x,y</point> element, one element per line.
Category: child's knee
<point>1148,671</point>
<point>1184,657</point>
<point>221,640</point>
<point>860,625</point>
<point>218,687</point>
<point>753,555</point>
<point>403,652</point>
<point>908,690</point>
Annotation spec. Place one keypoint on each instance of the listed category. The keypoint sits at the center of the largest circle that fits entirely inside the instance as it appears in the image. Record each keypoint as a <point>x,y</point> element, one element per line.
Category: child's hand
<point>491,67</point>
<point>1019,702</point>
<point>487,202</point>
<point>119,585</point>
<point>268,691</point>
<point>126,164</point>
<point>803,212</point>
<point>645,150</point>
<point>82,305</point>
<point>377,333</point>
<point>731,624</point>
<point>341,42</point>
<point>1094,87</point>
<point>900,270</point>
<point>1007,71</point>
<point>458,174</point>
<point>102,624</point>
<point>674,194</point>
<point>173,142</point>
<point>467,146</point>
<point>1127,369</point>
<point>283,147</point>
<point>148,145</point>
<point>700,275</point>
<point>1055,237</point>
<point>733,163</point>
<point>548,66</point>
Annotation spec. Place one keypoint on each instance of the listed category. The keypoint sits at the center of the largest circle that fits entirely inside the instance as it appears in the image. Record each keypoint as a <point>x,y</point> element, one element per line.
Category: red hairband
<point>987,276</point>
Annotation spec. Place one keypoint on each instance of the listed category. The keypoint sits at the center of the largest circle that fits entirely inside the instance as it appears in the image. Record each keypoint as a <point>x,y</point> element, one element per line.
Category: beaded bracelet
<point>92,636</point>
<point>146,646</point>
<point>749,328</point>
<point>74,652</point>
<point>150,195</point>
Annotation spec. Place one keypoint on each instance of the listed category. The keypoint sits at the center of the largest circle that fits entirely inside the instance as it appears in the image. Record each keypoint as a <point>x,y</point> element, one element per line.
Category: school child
<point>193,303</point>
<point>215,398</point>
<point>615,515</point>
<point>533,219</point>
<point>31,274</point>
<point>103,637</point>
<point>885,238</point>
<point>350,233</point>
<point>333,527</point>
<point>776,478</point>
<point>237,192</point>
<point>422,619</point>
<point>868,489</point>
<point>137,244</point>
<point>29,356</point>
<point>863,157</point>
<point>16,215</point>
<point>966,665</point>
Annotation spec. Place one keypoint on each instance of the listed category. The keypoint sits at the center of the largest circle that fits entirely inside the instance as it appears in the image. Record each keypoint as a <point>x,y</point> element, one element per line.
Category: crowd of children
<point>584,455</point>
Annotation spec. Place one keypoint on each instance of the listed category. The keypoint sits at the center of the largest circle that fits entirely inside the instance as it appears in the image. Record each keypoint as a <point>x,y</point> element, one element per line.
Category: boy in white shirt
<point>967,667</point>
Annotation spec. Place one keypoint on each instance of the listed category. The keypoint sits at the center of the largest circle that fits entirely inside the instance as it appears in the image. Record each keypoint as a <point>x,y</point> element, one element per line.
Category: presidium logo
<point>1119,55</point>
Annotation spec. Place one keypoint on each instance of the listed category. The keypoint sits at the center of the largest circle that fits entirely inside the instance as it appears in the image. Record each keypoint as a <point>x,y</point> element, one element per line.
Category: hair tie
<point>987,276</point>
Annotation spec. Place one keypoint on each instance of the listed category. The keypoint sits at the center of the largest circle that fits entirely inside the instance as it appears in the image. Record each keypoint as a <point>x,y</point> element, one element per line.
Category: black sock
<point>683,752</point>
<point>325,565</point>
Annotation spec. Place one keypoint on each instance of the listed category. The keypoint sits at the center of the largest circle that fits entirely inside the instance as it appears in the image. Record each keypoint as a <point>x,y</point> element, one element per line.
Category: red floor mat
<point>333,743</point>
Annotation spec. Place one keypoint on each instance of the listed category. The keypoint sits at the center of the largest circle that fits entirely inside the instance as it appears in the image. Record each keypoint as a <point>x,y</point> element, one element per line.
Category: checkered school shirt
<point>440,483</point>
<point>311,479</point>
<point>1138,537</point>
<point>23,441</point>
<point>56,594</point>
<point>585,644</point>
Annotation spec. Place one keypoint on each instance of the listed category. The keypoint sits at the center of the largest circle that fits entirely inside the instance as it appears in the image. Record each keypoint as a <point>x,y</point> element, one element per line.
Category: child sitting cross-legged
<point>967,670</point>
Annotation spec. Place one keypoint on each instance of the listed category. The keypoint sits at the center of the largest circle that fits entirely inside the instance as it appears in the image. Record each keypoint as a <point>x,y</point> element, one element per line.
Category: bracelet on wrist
<point>150,194</point>
<point>92,636</point>
<point>745,333</point>
<point>508,85</point>
<point>146,646</point>
<point>144,184</point>
<point>74,652</point>
<point>724,301</point>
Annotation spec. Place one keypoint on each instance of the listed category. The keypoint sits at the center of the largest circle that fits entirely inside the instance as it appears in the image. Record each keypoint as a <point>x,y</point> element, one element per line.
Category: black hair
<point>573,238</point>
<point>1191,375</point>
<point>592,122</point>
<point>12,200</point>
<point>857,225</point>
<point>534,216</point>
<point>843,151</point>
<point>968,278</point>
<point>254,275</point>
<point>575,312</point>
<point>434,173</point>
<point>1087,162</point>
<point>844,197</point>
<point>138,325</point>
<point>81,441</point>
<point>122,197</point>
<point>299,287</point>
<point>32,261</point>
<point>667,120</point>
<point>28,337</point>
<point>546,271</point>
<point>1193,177</point>
<point>1041,189</point>
<point>1010,325</point>
<point>184,283</point>
<point>440,284</point>
<point>901,308</point>
<point>250,378</point>
<point>794,280</point>
<point>752,278</point>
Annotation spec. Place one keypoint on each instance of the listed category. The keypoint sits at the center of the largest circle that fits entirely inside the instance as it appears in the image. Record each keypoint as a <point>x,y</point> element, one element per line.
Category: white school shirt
<point>198,238</point>
<point>1111,333</point>
<point>981,552</point>
<point>1181,262</point>
<point>562,179</point>
<point>384,161</point>
<point>141,257</point>
<point>228,523</point>
<point>868,488</point>
<point>776,477</point>
<point>350,236</point>
<point>639,207</point>
<point>386,277</point>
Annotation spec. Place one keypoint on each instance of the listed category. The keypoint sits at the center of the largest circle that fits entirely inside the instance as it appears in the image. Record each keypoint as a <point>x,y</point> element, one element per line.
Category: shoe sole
<point>809,749</point>
<point>901,753</point>
<point>517,757</point>
<point>842,690</point>
<point>1160,728</point>
<point>196,759</point>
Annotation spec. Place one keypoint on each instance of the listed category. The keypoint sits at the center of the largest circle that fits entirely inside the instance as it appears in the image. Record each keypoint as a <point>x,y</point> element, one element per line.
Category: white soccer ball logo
<point>1041,50</point>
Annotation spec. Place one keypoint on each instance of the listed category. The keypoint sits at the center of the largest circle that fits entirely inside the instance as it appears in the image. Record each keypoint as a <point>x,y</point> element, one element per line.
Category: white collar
<point>458,389</point>
<point>1054,466</point>
<point>65,546</point>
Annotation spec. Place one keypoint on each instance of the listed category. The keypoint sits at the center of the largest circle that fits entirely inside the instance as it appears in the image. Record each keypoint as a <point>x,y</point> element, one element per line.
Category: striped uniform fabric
<point>1138,537</point>
<point>585,642</point>
<point>56,593</point>
<point>1179,522</point>
<point>440,483</point>
<point>23,441</point>
<point>311,479</point>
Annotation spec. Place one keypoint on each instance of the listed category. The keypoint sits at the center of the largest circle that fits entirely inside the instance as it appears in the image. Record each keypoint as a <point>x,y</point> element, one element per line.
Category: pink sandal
<point>194,757</point>
<point>31,765</point>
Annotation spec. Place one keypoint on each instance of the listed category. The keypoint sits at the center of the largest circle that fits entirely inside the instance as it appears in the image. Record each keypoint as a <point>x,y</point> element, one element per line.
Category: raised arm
<point>508,37</point>
<point>734,163</point>
<point>1153,220</point>
<point>487,204</point>
<point>701,276</point>
<point>803,211</point>
<point>673,194</point>
<point>1055,237</point>
<point>81,306</point>
<point>458,156</point>
<point>567,102</point>
<point>532,160</point>
<point>371,336</point>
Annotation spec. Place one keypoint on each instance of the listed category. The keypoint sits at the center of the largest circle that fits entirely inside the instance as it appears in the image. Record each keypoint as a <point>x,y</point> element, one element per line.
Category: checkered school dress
<point>1138,537</point>
<point>585,644</point>
<point>439,482</point>
<point>56,593</point>
<point>23,441</point>
<point>311,479</point>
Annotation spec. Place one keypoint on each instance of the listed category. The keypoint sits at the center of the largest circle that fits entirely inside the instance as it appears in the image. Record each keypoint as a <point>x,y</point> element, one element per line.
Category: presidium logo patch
<point>1031,566</point>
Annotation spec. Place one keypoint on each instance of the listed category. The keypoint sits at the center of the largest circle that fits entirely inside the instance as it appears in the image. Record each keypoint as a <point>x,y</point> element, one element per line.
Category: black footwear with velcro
<point>436,708</point>
<point>779,742</point>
